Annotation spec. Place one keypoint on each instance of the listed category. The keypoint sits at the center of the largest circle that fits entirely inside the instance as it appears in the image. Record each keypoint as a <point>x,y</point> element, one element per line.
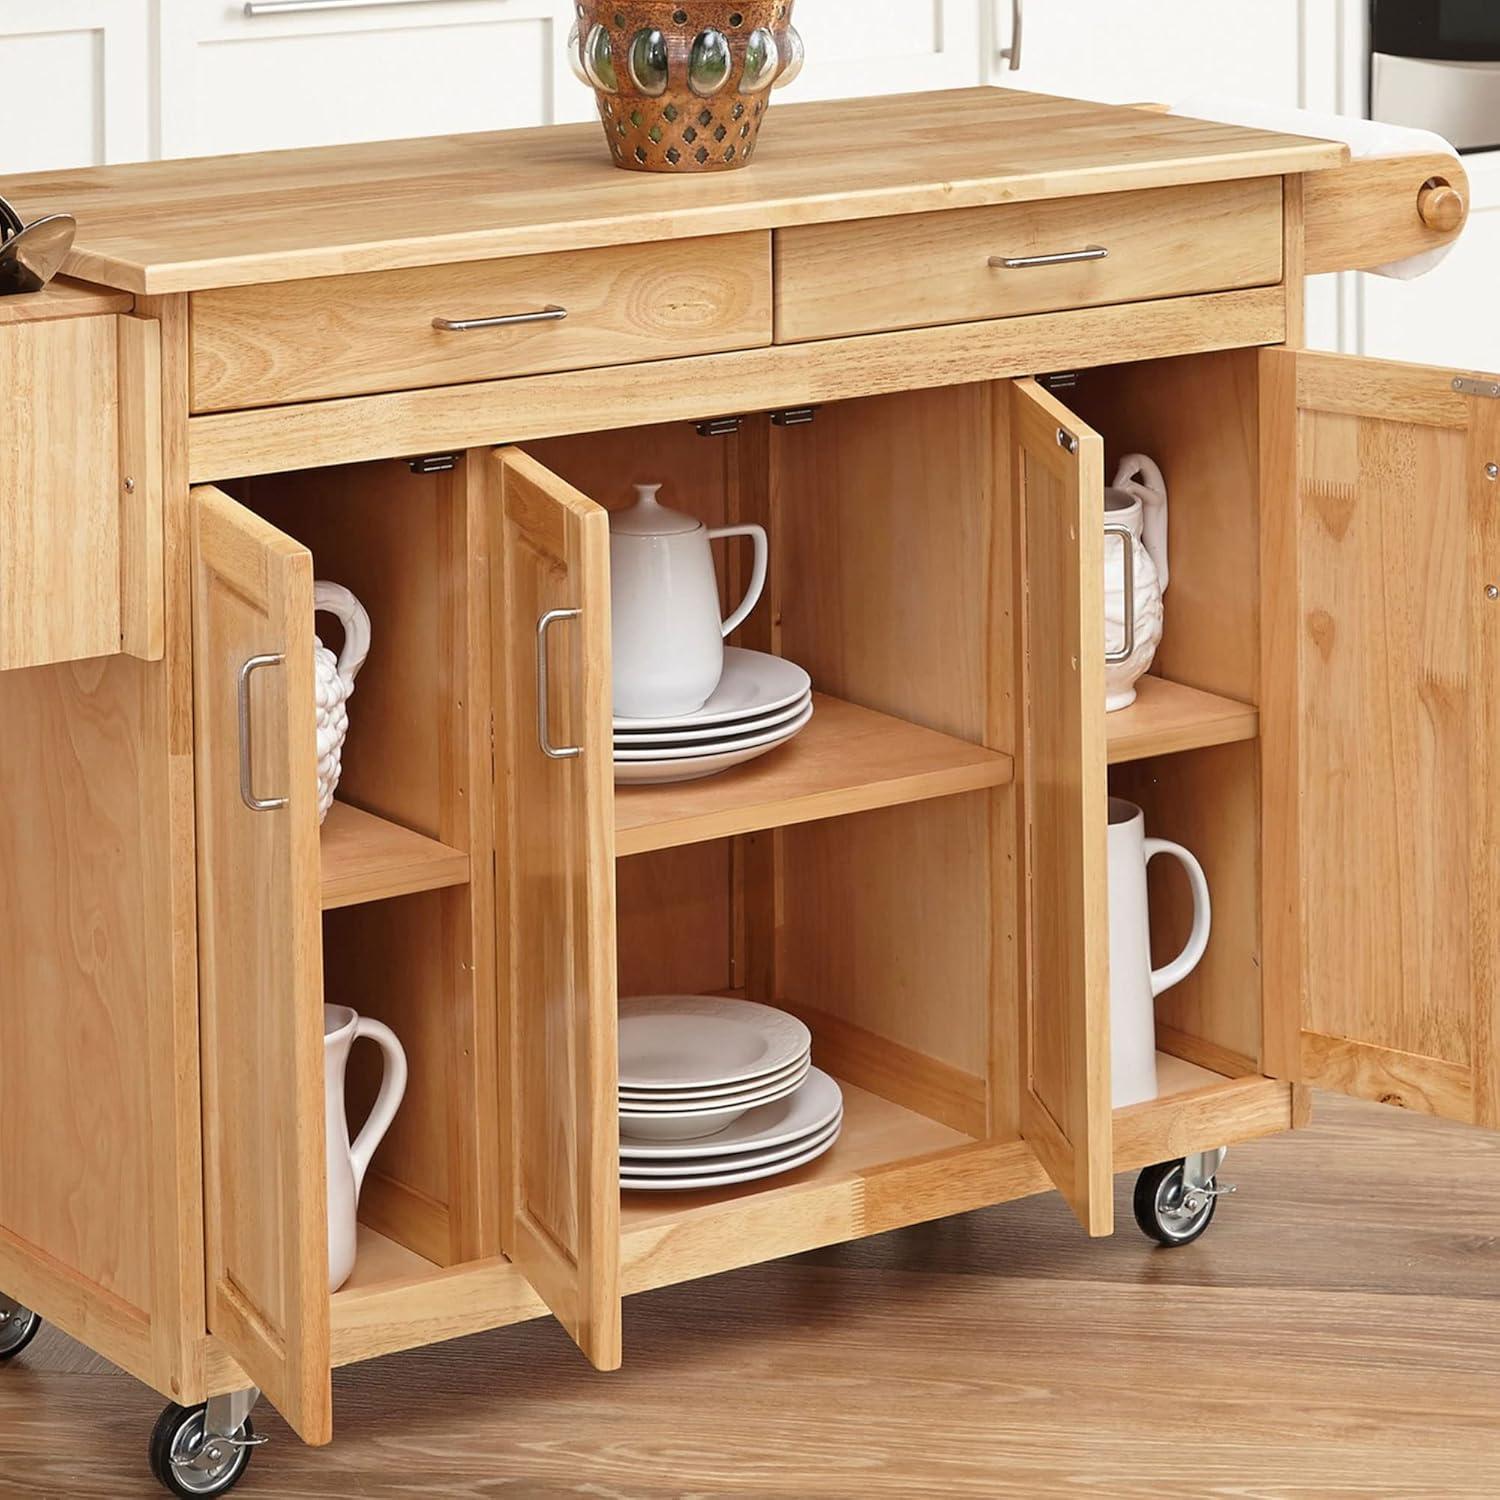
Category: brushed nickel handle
<point>543,727</point>
<point>1127,541</point>
<point>502,320</point>
<point>247,770</point>
<point>255,8</point>
<point>1012,53</point>
<point>1061,258</point>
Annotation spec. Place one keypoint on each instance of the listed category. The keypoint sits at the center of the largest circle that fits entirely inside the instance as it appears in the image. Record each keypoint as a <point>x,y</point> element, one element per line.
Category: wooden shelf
<point>847,760</point>
<point>1167,717</point>
<point>366,858</point>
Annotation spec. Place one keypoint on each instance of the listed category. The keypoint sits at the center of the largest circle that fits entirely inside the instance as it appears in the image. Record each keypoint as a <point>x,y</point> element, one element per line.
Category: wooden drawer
<point>354,335</point>
<point>920,270</point>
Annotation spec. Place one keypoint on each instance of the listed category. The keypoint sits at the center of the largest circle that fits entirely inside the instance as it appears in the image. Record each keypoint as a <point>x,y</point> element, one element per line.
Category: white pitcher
<point>333,678</point>
<point>668,633</point>
<point>1136,502</point>
<point>1133,983</point>
<point>347,1164</point>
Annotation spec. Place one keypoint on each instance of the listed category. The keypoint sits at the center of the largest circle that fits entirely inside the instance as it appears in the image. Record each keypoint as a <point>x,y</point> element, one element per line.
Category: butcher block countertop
<point>185,226</point>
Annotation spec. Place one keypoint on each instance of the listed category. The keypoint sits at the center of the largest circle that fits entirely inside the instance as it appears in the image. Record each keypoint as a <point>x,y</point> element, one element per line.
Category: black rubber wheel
<point>177,1436</point>
<point>17,1329</point>
<point>1158,1202</point>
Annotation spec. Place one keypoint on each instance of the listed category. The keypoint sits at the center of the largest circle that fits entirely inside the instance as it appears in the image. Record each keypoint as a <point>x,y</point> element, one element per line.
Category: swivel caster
<point>1175,1200</point>
<point>18,1326</point>
<point>204,1450</point>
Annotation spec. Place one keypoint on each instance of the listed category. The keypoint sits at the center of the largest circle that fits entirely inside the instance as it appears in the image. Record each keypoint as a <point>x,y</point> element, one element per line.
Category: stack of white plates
<point>715,1091</point>
<point>760,703</point>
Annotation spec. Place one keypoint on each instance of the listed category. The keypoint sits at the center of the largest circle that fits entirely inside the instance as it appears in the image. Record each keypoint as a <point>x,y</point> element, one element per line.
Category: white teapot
<point>333,678</point>
<point>1135,515</point>
<point>665,614</point>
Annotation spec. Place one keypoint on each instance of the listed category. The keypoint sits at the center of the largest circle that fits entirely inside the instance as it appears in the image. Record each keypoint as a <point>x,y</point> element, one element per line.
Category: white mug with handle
<point>348,1163</point>
<point>1133,983</point>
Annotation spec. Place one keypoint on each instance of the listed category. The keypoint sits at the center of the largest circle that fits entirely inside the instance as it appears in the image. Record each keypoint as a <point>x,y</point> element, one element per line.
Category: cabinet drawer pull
<point>247,769</point>
<point>543,728</point>
<point>1127,541</point>
<point>255,8</point>
<point>1061,258</point>
<point>503,320</point>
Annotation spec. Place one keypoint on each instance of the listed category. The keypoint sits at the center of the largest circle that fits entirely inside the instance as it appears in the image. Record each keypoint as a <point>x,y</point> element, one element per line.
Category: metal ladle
<point>32,254</point>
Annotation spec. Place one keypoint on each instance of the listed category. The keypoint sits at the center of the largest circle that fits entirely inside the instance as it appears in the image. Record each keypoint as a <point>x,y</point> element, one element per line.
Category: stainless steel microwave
<point>1436,64</point>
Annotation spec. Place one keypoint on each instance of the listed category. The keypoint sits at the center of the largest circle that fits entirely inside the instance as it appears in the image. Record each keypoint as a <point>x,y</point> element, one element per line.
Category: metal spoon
<point>32,255</point>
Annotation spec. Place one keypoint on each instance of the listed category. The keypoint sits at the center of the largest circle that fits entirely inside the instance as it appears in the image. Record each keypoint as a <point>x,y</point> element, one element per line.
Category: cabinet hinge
<point>720,427</point>
<point>1487,388</point>
<point>794,416</point>
<point>433,463</point>
<point>1059,380</point>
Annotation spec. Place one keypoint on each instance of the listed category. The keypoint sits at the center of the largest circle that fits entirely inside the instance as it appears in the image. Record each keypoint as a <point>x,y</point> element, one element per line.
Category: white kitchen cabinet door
<point>75,83</point>
<point>888,47</point>
<point>1151,50</point>
<point>304,74</point>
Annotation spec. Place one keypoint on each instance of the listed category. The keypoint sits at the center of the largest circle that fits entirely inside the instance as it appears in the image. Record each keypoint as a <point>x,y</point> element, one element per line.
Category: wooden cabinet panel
<point>1065,1103</point>
<point>260,961</point>
<point>555,917</point>
<point>350,335</point>
<point>1379,731</point>
<point>918,270</point>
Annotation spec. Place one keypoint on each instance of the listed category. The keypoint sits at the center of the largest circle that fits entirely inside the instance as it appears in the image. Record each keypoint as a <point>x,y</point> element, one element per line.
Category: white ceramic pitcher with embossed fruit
<point>1135,575</point>
<point>333,681</point>
<point>348,1162</point>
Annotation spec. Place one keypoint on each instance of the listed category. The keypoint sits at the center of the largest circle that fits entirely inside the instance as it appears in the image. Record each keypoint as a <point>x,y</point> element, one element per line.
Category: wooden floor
<point>1336,1334</point>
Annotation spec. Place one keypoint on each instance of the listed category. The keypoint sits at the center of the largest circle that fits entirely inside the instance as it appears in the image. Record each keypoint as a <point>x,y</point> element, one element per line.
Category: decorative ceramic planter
<point>683,85</point>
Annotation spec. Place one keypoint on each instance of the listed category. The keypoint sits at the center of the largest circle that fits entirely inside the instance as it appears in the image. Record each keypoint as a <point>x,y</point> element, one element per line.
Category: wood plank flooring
<point>1337,1334</point>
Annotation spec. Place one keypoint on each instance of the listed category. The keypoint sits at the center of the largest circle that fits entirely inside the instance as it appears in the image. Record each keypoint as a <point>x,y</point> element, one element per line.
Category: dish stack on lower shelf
<point>761,702</point>
<point>715,1092</point>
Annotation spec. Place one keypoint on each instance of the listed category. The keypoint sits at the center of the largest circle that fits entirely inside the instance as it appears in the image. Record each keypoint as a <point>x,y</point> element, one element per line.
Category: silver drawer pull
<point>503,320</point>
<point>543,726</point>
<point>247,770</point>
<point>1062,258</point>
<point>1127,541</point>
<point>287,7</point>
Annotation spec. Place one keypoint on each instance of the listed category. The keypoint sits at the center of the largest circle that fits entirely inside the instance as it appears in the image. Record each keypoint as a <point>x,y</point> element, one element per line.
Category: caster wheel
<point>18,1326</point>
<point>187,1463</point>
<point>1165,1213</point>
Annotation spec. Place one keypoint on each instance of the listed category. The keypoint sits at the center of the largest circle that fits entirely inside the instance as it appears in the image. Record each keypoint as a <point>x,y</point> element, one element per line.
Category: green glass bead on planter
<point>709,65</point>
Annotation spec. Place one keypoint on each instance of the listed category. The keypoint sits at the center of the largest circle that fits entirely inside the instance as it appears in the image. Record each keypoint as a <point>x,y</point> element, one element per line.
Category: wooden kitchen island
<point>242,387</point>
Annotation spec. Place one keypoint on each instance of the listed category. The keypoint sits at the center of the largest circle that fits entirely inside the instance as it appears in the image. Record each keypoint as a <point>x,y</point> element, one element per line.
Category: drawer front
<point>356,335</point>
<point>920,270</point>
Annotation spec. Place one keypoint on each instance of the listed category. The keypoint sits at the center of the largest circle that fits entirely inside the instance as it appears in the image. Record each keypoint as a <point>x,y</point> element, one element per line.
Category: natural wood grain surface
<point>1167,717</point>
<point>1333,1334</point>
<point>344,335</point>
<point>142,530</point>
<point>236,221</point>
<point>1370,213</point>
<point>63,298</point>
<point>837,279</point>
<point>365,858</point>
<point>848,759</point>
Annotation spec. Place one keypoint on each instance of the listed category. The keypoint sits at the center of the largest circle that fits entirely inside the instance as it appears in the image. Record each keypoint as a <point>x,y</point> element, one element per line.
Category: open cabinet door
<point>555,893</point>
<point>1381,731</point>
<point>1065,1101</point>
<point>260,958</point>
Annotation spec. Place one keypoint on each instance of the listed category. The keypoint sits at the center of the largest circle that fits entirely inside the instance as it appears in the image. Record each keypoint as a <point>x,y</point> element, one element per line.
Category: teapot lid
<point>648,517</point>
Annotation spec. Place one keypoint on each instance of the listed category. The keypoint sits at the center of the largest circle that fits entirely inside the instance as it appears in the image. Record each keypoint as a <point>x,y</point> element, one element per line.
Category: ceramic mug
<point>347,1164</point>
<point>667,626</point>
<point>1133,983</point>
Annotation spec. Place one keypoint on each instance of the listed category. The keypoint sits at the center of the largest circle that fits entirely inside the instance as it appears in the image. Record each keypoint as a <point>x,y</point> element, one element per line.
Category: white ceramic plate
<point>752,1094</point>
<point>750,741</point>
<point>697,1122</point>
<point>724,1179</point>
<point>714,1092</point>
<point>800,1115</point>
<point>717,1165</point>
<point>704,1041</point>
<point>691,768</point>
<point>753,683</point>
<point>738,729</point>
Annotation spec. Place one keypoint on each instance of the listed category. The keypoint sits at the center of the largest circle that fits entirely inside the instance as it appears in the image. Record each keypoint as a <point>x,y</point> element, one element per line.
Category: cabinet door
<point>1065,1112</point>
<point>260,958</point>
<point>555,920</point>
<point>1381,732</point>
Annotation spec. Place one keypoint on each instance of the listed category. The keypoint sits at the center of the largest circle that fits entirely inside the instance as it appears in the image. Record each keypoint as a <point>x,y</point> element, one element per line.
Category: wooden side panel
<point>1380,707</point>
<point>1065,1106</point>
<point>59,492</point>
<point>260,960</point>
<point>555,899</point>
<point>142,540</point>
